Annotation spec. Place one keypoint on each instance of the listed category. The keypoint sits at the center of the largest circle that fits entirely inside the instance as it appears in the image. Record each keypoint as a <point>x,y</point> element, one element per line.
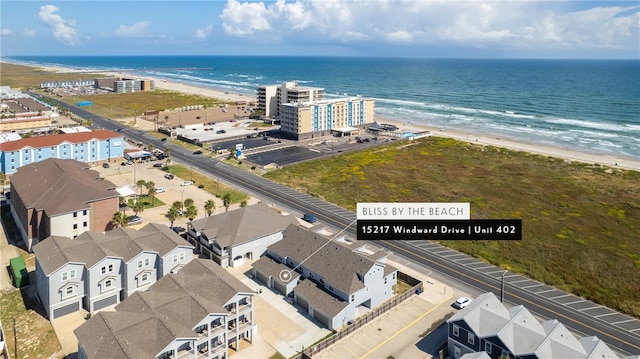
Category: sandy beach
<point>472,137</point>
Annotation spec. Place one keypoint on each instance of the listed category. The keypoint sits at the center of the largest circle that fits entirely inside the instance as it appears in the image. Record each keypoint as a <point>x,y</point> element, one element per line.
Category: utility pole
<point>502,287</point>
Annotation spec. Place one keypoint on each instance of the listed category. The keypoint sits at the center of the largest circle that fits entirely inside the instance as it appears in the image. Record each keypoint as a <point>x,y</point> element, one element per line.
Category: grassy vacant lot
<point>111,105</point>
<point>214,187</point>
<point>581,223</point>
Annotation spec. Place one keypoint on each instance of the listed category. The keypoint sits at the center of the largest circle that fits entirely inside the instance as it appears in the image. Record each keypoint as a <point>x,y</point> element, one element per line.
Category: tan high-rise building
<point>272,97</point>
<point>311,119</point>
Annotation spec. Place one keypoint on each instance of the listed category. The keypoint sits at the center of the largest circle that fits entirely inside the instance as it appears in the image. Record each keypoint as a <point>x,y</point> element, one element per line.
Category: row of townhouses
<point>96,270</point>
<point>486,329</point>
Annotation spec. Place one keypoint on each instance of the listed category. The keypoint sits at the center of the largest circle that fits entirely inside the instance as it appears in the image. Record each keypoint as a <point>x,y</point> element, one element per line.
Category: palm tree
<point>192,212</point>
<point>138,206</point>
<point>177,205</point>
<point>150,147</point>
<point>226,201</point>
<point>172,215</point>
<point>151,190</point>
<point>140,184</point>
<point>167,153</point>
<point>209,207</point>
<point>119,219</point>
<point>188,202</point>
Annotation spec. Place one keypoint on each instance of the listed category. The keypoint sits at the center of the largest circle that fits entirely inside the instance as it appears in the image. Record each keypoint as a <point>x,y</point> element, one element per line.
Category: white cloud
<point>63,30</point>
<point>29,32</point>
<point>203,33</point>
<point>508,24</point>
<point>6,32</point>
<point>139,29</point>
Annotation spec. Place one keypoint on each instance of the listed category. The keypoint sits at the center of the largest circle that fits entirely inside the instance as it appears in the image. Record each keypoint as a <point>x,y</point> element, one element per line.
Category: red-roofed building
<point>89,147</point>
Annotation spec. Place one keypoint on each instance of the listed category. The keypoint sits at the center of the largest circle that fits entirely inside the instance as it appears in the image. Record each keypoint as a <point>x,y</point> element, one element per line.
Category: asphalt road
<point>623,341</point>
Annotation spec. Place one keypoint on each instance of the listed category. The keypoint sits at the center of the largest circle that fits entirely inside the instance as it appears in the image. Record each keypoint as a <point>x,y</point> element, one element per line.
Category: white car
<point>186,183</point>
<point>462,302</point>
<point>161,189</point>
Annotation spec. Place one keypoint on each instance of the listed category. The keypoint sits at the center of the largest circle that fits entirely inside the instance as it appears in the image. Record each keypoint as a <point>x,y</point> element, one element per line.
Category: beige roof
<point>242,225</point>
<point>146,322</point>
<point>58,186</point>
<point>91,247</point>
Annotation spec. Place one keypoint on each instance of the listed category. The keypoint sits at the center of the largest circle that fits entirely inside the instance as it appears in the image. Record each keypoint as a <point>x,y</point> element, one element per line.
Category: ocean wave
<point>590,124</point>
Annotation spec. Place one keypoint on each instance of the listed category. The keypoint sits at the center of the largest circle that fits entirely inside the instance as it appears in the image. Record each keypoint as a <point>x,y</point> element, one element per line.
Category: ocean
<point>585,105</point>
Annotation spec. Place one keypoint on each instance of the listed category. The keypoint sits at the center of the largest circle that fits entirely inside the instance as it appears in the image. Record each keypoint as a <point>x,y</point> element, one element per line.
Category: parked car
<point>135,220</point>
<point>161,189</point>
<point>308,218</point>
<point>129,162</point>
<point>186,183</point>
<point>178,229</point>
<point>163,139</point>
<point>157,165</point>
<point>221,131</point>
<point>168,176</point>
<point>105,165</point>
<point>462,302</point>
<point>198,152</point>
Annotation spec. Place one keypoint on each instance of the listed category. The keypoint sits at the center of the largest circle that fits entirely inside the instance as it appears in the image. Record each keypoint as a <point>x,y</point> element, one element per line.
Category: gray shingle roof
<point>338,265</point>
<point>242,225</point>
<point>319,299</point>
<point>68,184</point>
<point>91,247</point>
<point>523,335</point>
<point>273,268</point>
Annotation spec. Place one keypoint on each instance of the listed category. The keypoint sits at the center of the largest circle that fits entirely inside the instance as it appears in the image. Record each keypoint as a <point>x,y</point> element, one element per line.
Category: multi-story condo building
<point>322,118</point>
<point>97,270</point>
<point>232,237</point>
<point>272,97</point>
<point>328,280</point>
<point>89,147</point>
<point>200,312</point>
<point>486,325</point>
<point>68,83</point>
<point>60,198</point>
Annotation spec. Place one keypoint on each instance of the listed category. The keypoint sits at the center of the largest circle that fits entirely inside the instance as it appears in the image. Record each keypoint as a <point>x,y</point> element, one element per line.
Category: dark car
<point>157,165</point>
<point>198,152</point>
<point>163,139</point>
<point>105,165</point>
<point>221,131</point>
<point>309,218</point>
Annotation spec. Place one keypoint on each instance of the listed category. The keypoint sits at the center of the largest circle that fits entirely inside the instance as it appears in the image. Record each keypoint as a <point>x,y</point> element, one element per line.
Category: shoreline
<point>612,161</point>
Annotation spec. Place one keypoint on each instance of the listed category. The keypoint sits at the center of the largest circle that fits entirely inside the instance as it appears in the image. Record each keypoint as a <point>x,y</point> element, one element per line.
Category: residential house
<point>59,197</point>
<point>88,147</point>
<point>200,312</point>
<point>245,233</point>
<point>486,325</point>
<point>97,270</point>
<point>329,280</point>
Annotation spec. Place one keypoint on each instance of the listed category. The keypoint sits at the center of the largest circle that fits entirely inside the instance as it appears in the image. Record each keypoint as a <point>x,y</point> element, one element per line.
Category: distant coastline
<point>472,135</point>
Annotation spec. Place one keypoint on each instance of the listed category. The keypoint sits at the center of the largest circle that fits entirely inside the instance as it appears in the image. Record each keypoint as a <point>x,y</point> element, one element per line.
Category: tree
<point>121,201</point>
<point>209,207</point>
<point>172,215</point>
<point>226,201</point>
<point>151,190</point>
<point>188,202</point>
<point>141,184</point>
<point>150,147</point>
<point>138,206</point>
<point>166,119</point>
<point>167,152</point>
<point>119,219</point>
<point>192,212</point>
<point>177,205</point>
<point>233,152</point>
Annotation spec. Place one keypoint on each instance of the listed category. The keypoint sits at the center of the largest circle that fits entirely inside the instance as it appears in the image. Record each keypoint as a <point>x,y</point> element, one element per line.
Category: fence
<point>360,322</point>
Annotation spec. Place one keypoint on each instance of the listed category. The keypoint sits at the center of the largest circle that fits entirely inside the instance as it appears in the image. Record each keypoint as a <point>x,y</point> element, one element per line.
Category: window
<point>65,276</point>
<point>147,262</point>
<point>174,258</point>
<point>182,256</point>
<point>75,226</point>
<point>103,270</point>
<point>456,330</point>
<point>471,338</point>
<point>505,354</point>
<point>144,278</point>
<point>139,264</point>
<point>84,224</point>
<point>108,284</point>
<point>84,212</point>
<point>69,291</point>
<point>72,274</point>
<point>487,347</point>
<point>110,268</point>
<point>75,214</point>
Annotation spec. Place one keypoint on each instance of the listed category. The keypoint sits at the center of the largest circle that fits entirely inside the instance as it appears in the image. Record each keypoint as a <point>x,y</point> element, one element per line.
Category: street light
<point>502,286</point>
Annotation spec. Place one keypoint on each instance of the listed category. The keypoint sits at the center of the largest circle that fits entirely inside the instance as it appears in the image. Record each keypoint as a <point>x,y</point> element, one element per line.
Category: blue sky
<point>415,28</point>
